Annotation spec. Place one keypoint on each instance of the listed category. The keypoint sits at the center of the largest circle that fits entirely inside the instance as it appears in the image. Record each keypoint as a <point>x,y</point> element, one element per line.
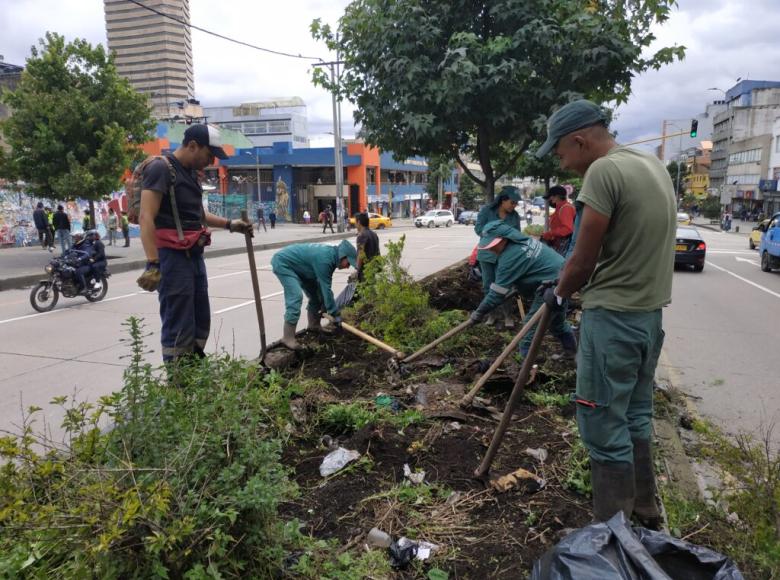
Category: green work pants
<point>294,289</point>
<point>558,324</point>
<point>616,361</point>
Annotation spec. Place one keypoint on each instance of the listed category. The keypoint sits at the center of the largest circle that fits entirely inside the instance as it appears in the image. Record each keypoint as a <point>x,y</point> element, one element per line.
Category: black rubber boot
<point>645,506</point>
<point>613,489</point>
<point>314,321</point>
<point>288,337</point>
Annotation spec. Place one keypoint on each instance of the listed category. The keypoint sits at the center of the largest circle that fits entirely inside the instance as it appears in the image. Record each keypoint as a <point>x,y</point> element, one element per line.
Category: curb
<point>127,264</point>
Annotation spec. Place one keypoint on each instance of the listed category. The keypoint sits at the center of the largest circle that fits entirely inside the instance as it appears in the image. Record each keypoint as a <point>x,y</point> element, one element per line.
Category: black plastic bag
<point>614,550</point>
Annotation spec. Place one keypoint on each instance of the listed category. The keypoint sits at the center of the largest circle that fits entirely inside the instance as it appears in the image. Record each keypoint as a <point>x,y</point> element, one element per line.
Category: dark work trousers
<point>184,303</point>
<point>327,224</point>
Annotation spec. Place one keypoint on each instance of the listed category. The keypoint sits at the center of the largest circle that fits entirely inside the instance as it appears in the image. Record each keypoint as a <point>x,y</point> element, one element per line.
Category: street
<point>721,336</point>
<point>78,346</point>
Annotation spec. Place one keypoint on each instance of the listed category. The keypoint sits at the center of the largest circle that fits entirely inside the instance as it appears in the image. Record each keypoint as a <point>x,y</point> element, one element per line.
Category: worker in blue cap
<point>522,263</point>
<point>502,208</point>
<point>308,269</point>
<point>622,264</point>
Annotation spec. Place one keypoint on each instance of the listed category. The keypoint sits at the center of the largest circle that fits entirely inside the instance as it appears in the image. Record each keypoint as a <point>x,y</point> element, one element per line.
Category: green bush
<point>535,230</point>
<point>186,484</point>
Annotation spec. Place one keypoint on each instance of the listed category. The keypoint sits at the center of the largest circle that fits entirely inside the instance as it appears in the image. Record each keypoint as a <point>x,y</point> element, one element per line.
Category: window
<point>750,156</point>
<point>777,144</point>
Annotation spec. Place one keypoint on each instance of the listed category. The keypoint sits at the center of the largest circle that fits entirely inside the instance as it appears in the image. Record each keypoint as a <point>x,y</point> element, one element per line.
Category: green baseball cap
<point>569,118</point>
<point>348,251</point>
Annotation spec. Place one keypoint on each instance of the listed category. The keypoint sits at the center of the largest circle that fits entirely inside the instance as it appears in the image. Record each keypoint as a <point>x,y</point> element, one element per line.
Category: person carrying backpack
<point>174,233</point>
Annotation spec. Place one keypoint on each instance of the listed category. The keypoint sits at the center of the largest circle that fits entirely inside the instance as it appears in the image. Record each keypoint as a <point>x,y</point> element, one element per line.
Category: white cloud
<point>724,40</point>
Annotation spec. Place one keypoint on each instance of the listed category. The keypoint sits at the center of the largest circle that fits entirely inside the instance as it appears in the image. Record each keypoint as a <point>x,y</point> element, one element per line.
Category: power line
<point>222,36</point>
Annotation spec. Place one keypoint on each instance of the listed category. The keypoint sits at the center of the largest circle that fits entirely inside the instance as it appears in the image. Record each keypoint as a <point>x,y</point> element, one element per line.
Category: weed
<point>318,561</point>
<point>445,372</point>
<point>578,476</point>
<point>533,230</point>
<point>531,519</point>
<point>548,399</point>
<point>343,418</point>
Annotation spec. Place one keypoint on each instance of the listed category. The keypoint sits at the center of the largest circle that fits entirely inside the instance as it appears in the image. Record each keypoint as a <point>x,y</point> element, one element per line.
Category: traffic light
<point>694,127</point>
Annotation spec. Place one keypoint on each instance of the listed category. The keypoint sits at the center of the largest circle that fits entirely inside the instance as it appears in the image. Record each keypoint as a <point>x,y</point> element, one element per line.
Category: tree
<point>439,170</point>
<point>678,172</point>
<point>75,125</point>
<point>476,79</point>
<point>470,195</point>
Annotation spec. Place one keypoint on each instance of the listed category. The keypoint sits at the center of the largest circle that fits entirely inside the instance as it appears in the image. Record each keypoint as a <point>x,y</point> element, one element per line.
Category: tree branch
<point>512,161</point>
<point>468,172</point>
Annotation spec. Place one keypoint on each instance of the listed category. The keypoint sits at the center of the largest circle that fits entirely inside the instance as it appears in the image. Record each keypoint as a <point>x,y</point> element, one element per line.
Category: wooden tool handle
<point>368,338</point>
<point>447,335</point>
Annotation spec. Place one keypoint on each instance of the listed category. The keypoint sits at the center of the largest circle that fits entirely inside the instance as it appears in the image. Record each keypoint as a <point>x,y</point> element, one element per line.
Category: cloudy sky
<point>725,40</point>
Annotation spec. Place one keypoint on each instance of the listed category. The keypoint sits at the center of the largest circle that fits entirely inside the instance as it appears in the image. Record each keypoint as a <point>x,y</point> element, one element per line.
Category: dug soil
<point>480,533</point>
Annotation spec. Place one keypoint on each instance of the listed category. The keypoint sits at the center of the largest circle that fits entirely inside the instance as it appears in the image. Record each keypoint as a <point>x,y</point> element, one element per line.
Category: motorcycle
<point>63,280</point>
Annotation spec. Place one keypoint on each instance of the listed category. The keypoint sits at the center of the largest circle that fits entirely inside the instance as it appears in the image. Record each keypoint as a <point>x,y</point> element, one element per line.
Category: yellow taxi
<point>683,219</point>
<point>375,221</point>
<point>755,236</point>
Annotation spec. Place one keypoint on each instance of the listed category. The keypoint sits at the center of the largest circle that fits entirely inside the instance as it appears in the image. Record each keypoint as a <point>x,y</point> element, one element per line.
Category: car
<point>689,248</point>
<point>769,249</point>
<point>683,218</point>
<point>375,221</point>
<point>468,217</point>
<point>435,218</point>
<point>755,236</point>
<point>538,202</point>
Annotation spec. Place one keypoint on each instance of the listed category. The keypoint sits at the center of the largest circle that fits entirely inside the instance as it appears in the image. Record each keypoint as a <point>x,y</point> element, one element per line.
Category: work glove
<point>352,277</point>
<point>547,291</point>
<point>477,316</point>
<point>241,227</point>
<point>150,279</point>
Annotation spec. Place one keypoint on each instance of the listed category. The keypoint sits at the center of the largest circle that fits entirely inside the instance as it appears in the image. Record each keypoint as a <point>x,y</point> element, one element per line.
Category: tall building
<point>10,75</point>
<point>265,123</point>
<point>154,52</point>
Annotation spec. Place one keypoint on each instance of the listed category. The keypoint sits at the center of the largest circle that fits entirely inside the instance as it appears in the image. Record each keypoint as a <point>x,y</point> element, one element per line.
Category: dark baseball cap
<point>556,190</point>
<point>207,136</point>
<point>569,118</point>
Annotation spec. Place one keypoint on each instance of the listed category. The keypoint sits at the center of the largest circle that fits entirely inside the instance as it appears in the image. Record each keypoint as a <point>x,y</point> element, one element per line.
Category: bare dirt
<point>481,533</point>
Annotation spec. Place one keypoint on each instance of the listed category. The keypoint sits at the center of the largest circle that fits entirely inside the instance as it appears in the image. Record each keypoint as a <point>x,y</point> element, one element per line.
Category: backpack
<point>135,185</point>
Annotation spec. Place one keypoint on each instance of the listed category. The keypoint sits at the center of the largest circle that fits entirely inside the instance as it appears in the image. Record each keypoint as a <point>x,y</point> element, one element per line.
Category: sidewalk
<point>20,267</point>
<point>737,225</point>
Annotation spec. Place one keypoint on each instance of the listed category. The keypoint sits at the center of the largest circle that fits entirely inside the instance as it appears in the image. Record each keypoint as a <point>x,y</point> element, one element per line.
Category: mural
<point>282,201</point>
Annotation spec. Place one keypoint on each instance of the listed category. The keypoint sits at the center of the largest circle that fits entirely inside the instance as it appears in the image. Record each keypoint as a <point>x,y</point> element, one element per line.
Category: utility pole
<point>338,162</point>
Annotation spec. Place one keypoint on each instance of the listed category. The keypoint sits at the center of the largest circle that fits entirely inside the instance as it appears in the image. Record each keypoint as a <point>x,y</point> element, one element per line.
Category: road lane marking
<point>247,303</point>
<point>748,252</point>
<point>738,259</point>
<point>745,280</point>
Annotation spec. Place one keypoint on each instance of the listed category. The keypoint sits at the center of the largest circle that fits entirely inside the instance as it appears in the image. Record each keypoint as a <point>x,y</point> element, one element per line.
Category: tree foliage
<point>678,172</point>
<point>477,79</point>
<point>76,123</point>
<point>470,195</point>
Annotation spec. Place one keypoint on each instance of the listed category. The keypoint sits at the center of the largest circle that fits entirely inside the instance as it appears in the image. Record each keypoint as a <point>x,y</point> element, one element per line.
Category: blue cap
<point>569,118</point>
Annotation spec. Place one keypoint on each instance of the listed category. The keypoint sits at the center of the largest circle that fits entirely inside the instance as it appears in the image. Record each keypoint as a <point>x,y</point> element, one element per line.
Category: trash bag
<point>614,550</point>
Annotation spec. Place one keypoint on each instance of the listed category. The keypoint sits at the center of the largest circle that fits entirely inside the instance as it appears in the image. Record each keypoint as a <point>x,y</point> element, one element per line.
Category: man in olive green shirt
<point>624,258</point>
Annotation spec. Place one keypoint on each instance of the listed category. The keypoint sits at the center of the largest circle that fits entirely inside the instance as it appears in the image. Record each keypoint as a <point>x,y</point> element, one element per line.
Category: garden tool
<point>517,391</point>
<point>468,398</point>
<point>255,287</point>
<point>368,338</point>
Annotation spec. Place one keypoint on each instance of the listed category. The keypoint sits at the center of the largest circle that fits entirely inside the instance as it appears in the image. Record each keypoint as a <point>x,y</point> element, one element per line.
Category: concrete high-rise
<point>154,52</point>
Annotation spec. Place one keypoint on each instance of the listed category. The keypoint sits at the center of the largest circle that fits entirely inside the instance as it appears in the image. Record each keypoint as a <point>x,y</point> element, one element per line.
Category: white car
<point>435,217</point>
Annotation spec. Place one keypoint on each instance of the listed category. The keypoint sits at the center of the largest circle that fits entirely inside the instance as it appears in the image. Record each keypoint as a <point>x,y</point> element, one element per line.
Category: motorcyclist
<point>92,260</point>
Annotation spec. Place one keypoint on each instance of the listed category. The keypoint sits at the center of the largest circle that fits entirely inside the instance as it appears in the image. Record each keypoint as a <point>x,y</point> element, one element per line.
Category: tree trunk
<point>483,150</point>
<point>92,222</point>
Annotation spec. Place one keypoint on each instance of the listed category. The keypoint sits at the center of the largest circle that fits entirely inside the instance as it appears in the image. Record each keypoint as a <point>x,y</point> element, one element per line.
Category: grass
<point>344,418</point>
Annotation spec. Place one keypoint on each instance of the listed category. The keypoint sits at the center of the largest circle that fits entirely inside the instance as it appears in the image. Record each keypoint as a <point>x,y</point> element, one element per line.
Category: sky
<point>725,40</point>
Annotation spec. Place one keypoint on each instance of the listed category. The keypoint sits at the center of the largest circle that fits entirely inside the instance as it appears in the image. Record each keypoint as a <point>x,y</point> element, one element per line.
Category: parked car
<point>468,217</point>
<point>375,221</point>
<point>689,248</point>
<point>435,218</point>
<point>770,245</point>
<point>538,202</point>
<point>683,218</point>
<point>755,236</point>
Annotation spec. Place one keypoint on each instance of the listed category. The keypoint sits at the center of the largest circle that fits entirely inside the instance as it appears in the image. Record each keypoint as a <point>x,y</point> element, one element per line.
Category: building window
<point>749,156</point>
<point>777,144</point>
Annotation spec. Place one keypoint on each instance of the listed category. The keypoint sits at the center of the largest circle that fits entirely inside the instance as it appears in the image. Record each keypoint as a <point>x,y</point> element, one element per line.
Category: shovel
<point>517,392</point>
<point>368,338</point>
<point>468,398</point>
<point>255,286</point>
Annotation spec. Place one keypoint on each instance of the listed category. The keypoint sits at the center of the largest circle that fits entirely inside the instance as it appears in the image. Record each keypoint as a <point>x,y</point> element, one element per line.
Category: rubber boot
<point>288,337</point>
<point>315,323</point>
<point>645,507</point>
<point>506,311</point>
<point>569,344</point>
<point>613,489</point>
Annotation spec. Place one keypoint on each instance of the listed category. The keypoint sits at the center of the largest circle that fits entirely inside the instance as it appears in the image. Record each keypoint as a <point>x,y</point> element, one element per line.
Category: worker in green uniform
<point>308,269</point>
<point>624,258</point>
<point>522,263</point>
<point>502,208</point>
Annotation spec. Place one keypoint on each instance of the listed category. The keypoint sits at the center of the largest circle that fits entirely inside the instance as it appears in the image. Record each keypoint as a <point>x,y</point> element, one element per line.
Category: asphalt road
<point>722,332</point>
<point>77,348</point>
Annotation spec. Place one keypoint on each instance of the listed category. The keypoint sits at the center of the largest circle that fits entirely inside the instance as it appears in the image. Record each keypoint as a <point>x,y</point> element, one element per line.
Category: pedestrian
<point>50,220</point>
<point>125,229</point>
<point>86,223</point>
<point>561,229</point>
<point>328,220</point>
<point>62,229</point>
<point>261,218</point>
<point>272,218</point>
<point>308,269</point>
<point>502,208</point>
<point>174,241</point>
<point>367,243</point>
<point>41,222</point>
<point>522,263</point>
<point>111,226</point>
<point>306,217</point>
<point>624,258</point>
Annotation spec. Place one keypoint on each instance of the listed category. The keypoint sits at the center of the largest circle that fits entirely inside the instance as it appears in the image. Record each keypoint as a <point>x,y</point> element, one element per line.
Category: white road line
<point>431,247</point>
<point>746,252</point>
<point>738,259</point>
<point>247,303</point>
<point>745,280</point>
